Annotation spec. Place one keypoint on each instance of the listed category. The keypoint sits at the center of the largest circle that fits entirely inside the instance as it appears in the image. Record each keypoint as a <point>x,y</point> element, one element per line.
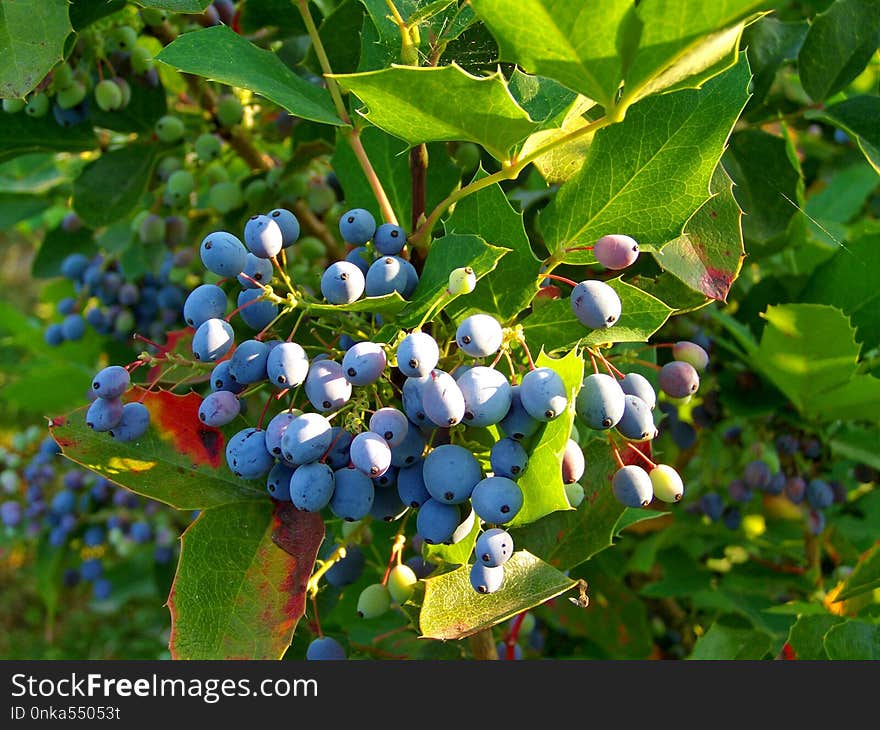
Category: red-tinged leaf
<point>240,586</point>
<point>178,460</point>
<point>709,254</point>
<point>178,342</point>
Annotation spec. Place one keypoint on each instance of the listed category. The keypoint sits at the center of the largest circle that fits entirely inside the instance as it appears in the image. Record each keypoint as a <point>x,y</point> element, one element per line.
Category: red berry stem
<point>642,455</point>
<point>556,277</point>
<point>513,635</point>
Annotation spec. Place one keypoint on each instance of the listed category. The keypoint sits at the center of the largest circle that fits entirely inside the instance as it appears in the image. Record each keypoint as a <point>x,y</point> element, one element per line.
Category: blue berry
<point>479,335</point>
<point>133,423</point>
<point>508,458</point>
<point>389,239</point>
<point>223,254</point>
<point>278,482</point>
<point>494,547</point>
<point>632,486</point>
<point>256,314</point>
<point>256,273</point>
<point>595,304</point>
<point>289,225</point>
<point>353,495</point>
<point>486,394</point>
<point>357,226</point>
<point>212,340</point>
<point>342,283</point>
<point>219,408</point>
<point>450,473</point>
<point>497,499</point>
<point>111,382</point>
<point>543,394</point>
<point>325,648</point>
<point>306,438</point>
<point>262,235</point>
<point>437,521</point>
<point>287,365</point>
<point>364,363</point>
<point>417,354</point>
<point>246,454</point>
<point>390,424</point>
<point>311,486</point>
<point>203,303</point>
<point>370,453</point>
<point>518,424</point>
<point>104,414</point>
<point>326,386</point>
<point>485,579</point>
<point>442,399</point>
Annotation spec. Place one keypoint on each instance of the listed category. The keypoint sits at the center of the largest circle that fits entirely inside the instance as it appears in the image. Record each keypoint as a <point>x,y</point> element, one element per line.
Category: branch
<point>418,239</point>
<point>483,645</point>
<point>351,134</point>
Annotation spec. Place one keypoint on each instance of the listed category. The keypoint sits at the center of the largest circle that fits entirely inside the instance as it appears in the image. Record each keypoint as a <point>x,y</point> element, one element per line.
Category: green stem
<point>351,134</point>
<point>332,86</point>
<point>483,645</point>
<point>418,239</point>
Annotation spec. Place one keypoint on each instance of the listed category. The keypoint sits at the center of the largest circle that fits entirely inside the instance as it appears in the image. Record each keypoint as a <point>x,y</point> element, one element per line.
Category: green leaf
<point>843,197</point>
<point>767,184</point>
<point>769,43</point>
<point>425,105</point>
<point>390,159</point>
<point>85,12</point>
<point>220,54</point>
<point>577,44</point>
<point>386,305</point>
<point>451,609</point>
<point>865,576</point>
<point>838,46</point>
<point>684,43</point>
<point>57,244</point>
<point>567,538</point>
<point>857,443</point>
<point>336,32</point>
<point>176,6</point>
<point>562,161</point>
<point>709,254</point>
<point>541,484</point>
<point>32,35</point>
<point>510,286</point>
<point>544,100</point>
<point>239,591</point>
<point>15,207</point>
<point>848,281</point>
<point>111,187</point>
<point>650,189</point>
<point>859,117</point>
<point>807,636</point>
<point>447,254</point>
<point>553,326</point>
<point>21,134</point>
<point>809,352</point>
<point>723,642</point>
<point>280,15</point>
<point>458,553</point>
<point>34,173</point>
<point>616,619</point>
<point>178,461</point>
<point>853,640</point>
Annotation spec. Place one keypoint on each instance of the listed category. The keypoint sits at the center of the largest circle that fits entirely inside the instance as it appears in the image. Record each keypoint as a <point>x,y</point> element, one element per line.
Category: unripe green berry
<point>62,76</point>
<point>180,184</point>
<point>169,129</point>
<point>37,105</point>
<point>401,583</point>
<point>320,197</point>
<point>13,106</point>
<point>373,601</point>
<point>72,95</point>
<point>667,483</point>
<point>229,110</point>
<point>152,229</point>
<point>167,165</point>
<point>225,196</point>
<point>108,95</point>
<point>141,60</point>
<point>122,38</point>
<point>125,89</point>
<point>124,322</point>
<point>311,248</point>
<point>207,147</point>
<point>216,172</point>
<point>255,191</point>
<point>138,219</point>
<point>461,281</point>
<point>153,17</point>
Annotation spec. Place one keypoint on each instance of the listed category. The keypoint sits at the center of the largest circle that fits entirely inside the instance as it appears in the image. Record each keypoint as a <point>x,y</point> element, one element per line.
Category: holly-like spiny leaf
<point>647,190</point>
<point>240,587</point>
<point>32,35</point>
<point>178,461</point>
<point>220,54</point>
<point>451,609</point>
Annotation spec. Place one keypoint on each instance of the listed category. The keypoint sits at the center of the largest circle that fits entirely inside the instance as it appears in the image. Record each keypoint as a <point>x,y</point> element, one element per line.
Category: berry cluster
<point>95,522</point>
<point>123,421</point>
<point>111,305</point>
